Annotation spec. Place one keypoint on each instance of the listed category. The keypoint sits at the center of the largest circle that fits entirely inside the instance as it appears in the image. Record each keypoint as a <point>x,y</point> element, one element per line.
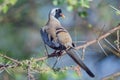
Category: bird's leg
<point>59,53</point>
<point>46,50</point>
<point>54,53</point>
<point>55,63</point>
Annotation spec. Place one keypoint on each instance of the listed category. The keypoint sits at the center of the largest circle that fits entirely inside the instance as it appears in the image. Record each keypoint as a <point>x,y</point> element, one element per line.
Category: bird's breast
<point>64,38</point>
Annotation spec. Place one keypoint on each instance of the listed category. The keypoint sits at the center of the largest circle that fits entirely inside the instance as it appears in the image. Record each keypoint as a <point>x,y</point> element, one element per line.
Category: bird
<point>58,38</point>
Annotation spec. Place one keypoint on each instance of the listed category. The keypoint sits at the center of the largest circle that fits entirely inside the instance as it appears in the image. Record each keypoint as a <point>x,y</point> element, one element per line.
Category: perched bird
<point>57,37</point>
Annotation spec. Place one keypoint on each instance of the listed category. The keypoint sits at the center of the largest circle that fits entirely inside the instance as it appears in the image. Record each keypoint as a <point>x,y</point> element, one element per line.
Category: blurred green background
<point>21,20</point>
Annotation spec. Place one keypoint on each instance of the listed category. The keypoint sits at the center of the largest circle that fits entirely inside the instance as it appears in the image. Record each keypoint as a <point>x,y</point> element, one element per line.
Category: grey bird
<point>58,38</point>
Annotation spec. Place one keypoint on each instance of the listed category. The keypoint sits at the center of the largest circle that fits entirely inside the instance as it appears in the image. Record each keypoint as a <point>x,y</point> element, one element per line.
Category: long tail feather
<point>72,53</point>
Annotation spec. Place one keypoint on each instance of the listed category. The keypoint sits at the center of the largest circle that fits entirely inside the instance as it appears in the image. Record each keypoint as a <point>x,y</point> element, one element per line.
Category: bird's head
<point>57,13</point>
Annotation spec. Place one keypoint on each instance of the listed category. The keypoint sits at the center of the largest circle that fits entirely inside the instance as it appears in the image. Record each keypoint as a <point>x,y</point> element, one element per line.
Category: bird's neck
<point>53,21</point>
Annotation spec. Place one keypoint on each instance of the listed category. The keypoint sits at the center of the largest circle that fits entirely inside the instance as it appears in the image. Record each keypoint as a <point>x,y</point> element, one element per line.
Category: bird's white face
<point>56,13</point>
<point>53,11</point>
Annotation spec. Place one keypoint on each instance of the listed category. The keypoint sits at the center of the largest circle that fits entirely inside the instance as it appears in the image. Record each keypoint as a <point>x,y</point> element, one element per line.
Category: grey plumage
<point>58,38</point>
<point>48,41</point>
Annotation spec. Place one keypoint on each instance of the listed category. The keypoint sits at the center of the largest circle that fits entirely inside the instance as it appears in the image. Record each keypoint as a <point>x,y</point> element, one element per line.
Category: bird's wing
<point>49,41</point>
<point>64,37</point>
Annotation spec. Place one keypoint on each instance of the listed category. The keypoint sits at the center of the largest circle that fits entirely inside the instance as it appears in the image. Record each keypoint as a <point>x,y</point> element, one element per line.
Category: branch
<point>118,40</point>
<point>33,61</point>
<point>99,38</point>
<point>29,74</point>
<point>11,59</point>
<point>112,76</point>
<point>88,43</point>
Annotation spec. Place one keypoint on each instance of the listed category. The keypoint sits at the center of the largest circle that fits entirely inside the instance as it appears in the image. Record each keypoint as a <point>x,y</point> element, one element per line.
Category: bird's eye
<point>56,10</point>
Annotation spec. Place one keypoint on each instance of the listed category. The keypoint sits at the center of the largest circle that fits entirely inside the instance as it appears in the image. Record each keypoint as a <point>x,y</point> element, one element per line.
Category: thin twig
<point>112,51</point>
<point>79,41</point>
<point>112,76</point>
<point>111,44</point>
<point>41,59</point>
<point>28,71</point>
<point>101,31</point>
<point>29,75</point>
<point>99,38</point>
<point>87,43</point>
<point>102,48</point>
<point>56,62</point>
<point>46,49</point>
<point>78,47</point>
<point>11,59</point>
<point>83,53</point>
<point>118,40</point>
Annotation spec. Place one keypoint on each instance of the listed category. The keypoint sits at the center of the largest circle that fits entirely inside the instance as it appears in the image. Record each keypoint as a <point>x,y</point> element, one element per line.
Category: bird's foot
<point>60,53</point>
<point>53,54</point>
<point>56,53</point>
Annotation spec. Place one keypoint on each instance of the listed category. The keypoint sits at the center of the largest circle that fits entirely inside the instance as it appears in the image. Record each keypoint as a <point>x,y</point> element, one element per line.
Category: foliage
<point>72,4</point>
<point>18,30</point>
<point>79,5</point>
<point>18,68</point>
<point>5,5</point>
<point>116,10</point>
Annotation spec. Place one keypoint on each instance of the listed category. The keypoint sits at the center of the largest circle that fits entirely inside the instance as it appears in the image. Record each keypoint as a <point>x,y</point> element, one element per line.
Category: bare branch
<point>29,75</point>
<point>17,63</point>
<point>102,48</point>
<point>113,51</point>
<point>28,72</point>
<point>99,38</point>
<point>88,43</point>
<point>11,59</point>
<point>83,53</point>
<point>112,76</point>
<point>111,44</point>
<point>118,40</point>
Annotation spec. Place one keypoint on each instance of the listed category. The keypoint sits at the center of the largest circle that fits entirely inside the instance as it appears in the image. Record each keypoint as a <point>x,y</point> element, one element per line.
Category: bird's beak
<point>62,15</point>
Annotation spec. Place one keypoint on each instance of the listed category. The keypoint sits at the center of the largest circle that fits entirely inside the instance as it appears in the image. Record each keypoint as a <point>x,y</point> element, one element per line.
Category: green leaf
<point>55,2</point>
<point>13,1</point>
<point>116,10</point>
<point>1,1</point>
<point>84,3</point>
<point>90,25</point>
<point>72,2</point>
<point>82,14</point>
<point>5,9</point>
<point>69,8</point>
<point>4,5</point>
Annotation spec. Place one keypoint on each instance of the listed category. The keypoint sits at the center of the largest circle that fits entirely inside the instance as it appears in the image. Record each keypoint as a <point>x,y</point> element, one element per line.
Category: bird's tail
<point>73,54</point>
